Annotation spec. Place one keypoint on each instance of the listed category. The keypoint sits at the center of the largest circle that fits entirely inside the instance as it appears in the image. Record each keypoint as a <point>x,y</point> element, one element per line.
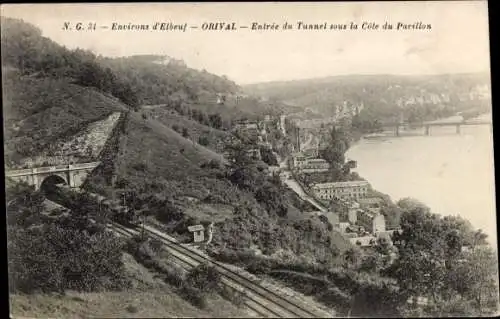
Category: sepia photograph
<point>249,160</point>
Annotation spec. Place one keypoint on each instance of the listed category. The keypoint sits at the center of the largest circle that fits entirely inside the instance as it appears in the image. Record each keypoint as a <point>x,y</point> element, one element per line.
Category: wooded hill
<point>383,96</point>
<point>53,92</point>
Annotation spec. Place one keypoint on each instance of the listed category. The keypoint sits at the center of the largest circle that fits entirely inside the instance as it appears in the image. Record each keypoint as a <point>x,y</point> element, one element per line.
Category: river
<point>452,174</point>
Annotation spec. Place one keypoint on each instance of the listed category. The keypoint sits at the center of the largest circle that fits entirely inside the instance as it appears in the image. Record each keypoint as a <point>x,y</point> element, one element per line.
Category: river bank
<point>452,174</point>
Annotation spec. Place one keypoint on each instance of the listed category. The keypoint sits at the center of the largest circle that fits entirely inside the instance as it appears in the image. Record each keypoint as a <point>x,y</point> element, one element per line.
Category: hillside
<point>150,297</point>
<point>78,105</point>
<point>384,97</point>
<point>161,80</point>
<point>42,111</point>
<point>213,138</point>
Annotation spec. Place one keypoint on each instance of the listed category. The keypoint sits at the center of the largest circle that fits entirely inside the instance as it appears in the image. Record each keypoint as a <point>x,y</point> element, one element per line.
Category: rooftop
<point>363,241</point>
<point>369,213</point>
<point>317,160</point>
<point>371,200</point>
<point>341,184</point>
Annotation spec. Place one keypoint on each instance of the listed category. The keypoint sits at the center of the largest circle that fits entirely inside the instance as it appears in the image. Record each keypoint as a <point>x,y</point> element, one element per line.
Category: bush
<point>174,275</point>
<point>260,266</point>
<point>203,140</point>
<point>204,277</point>
<point>131,309</point>
<point>194,295</point>
<point>55,258</point>
<point>234,256</point>
<point>233,295</point>
<point>142,167</point>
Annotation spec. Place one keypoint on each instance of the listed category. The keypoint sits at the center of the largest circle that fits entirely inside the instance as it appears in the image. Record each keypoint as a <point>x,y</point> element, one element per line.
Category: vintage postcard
<point>249,160</point>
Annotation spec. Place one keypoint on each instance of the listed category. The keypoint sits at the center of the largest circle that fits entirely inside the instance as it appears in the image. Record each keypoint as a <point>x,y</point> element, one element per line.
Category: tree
<point>215,120</point>
<point>185,132</point>
<point>247,177</point>
<point>336,148</point>
<point>274,201</point>
<point>268,156</point>
<point>431,262</point>
<point>475,276</point>
<point>24,204</point>
<point>203,140</point>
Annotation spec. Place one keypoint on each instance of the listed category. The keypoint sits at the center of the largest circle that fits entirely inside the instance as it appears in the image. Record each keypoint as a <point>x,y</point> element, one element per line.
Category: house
<point>350,235</point>
<point>350,212</point>
<point>365,241</point>
<point>246,125</point>
<point>220,98</point>
<point>345,190</point>
<point>297,161</point>
<point>316,163</point>
<point>343,226</point>
<point>254,153</point>
<point>371,202</point>
<point>372,221</point>
<point>311,152</point>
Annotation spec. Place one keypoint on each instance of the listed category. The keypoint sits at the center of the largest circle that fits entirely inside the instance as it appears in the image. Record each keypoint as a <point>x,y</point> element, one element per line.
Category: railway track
<point>260,299</point>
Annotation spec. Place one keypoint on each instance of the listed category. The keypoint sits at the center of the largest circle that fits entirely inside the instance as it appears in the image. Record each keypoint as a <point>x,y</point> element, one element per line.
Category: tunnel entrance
<point>49,183</point>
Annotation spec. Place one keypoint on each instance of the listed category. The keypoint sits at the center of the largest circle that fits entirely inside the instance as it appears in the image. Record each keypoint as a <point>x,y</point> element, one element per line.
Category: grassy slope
<point>170,118</point>
<point>169,159</point>
<point>53,109</point>
<point>150,297</point>
<point>47,110</point>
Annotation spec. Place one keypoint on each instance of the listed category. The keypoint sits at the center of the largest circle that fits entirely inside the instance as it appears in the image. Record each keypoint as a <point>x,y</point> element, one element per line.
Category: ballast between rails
<point>252,302</point>
<point>283,307</point>
<point>291,308</point>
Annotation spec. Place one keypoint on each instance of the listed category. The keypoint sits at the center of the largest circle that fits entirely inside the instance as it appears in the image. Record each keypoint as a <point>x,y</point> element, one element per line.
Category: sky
<point>457,42</point>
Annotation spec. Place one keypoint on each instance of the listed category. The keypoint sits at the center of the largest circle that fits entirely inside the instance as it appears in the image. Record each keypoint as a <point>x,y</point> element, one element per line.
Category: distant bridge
<point>72,174</point>
<point>428,125</point>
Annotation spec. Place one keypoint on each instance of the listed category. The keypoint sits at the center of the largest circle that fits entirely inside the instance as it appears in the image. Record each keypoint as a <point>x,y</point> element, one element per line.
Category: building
<point>353,190</point>
<point>198,233</point>
<point>298,160</point>
<point>373,222</point>
<point>246,125</point>
<point>371,202</point>
<point>365,241</point>
<point>254,153</point>
<point>311,152</point>
<point>302,162</point>
<point>343,226</point>
<point>316,163</point>
<point>352,213</point>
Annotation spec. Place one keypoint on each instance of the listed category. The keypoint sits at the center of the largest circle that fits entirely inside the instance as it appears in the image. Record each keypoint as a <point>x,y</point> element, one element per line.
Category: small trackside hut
<point>198,233</point>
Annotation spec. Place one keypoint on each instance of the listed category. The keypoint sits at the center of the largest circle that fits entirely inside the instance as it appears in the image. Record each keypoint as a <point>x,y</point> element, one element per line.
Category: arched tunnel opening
<point>49,186</point>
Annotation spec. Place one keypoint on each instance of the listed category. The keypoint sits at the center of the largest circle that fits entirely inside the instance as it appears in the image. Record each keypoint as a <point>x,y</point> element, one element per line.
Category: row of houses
<point>306,164</point>
<point>362,227</point>
<point>352,190</point>
<point>359,217</point>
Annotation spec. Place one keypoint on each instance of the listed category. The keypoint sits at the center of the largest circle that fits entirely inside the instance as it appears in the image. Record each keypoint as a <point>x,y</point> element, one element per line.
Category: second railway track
<point>260,299</point>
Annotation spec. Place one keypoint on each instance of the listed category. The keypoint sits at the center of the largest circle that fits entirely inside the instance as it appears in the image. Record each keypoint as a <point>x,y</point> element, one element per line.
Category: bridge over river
<point>456,121</point>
